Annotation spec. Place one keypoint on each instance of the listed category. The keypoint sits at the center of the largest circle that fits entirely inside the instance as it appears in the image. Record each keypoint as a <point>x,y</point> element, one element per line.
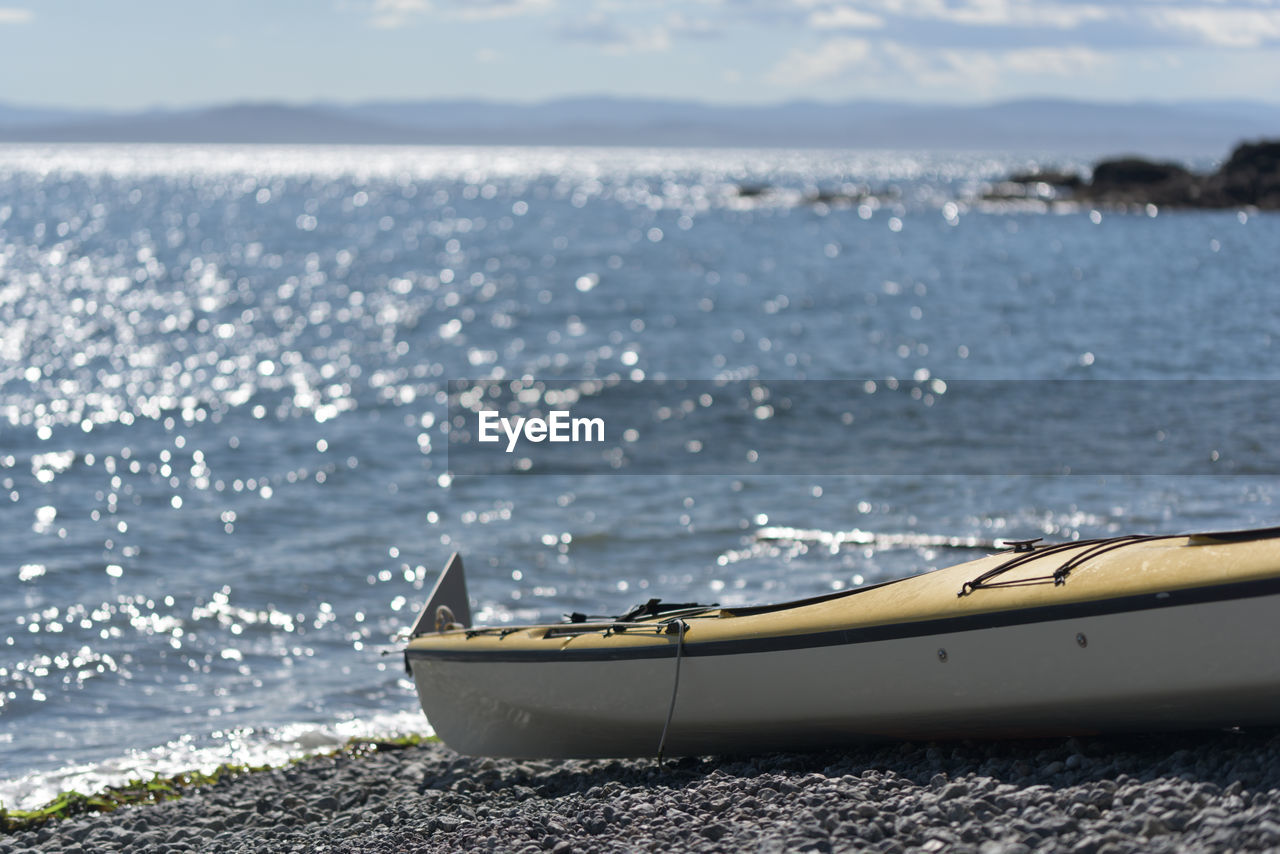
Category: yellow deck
<point>1134,569</point>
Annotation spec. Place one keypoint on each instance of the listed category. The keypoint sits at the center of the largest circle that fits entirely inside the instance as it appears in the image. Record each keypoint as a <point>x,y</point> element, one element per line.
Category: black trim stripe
<point>869,634</point>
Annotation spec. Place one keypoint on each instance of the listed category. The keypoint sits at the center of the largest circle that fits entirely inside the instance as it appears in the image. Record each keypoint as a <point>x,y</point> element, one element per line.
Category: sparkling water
<point>224,487</point>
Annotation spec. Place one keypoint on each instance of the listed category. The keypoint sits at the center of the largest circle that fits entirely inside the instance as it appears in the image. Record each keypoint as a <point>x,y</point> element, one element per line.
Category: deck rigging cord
<point>681,626</point>
<point>1092,548</point>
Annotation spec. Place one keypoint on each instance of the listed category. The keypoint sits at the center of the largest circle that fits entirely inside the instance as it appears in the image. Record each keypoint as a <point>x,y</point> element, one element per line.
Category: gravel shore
<point>1189,792</point>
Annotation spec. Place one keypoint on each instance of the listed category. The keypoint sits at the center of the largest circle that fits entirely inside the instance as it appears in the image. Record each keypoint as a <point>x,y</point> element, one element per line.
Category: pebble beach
<point>1183,792</point>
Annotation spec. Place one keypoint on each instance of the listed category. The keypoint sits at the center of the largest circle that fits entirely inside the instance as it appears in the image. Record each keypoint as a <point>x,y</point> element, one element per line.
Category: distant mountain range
<point>1185,128</point>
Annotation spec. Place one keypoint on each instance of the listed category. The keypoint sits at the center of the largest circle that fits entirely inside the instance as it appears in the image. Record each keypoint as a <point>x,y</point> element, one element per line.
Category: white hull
<point>1210,664</point>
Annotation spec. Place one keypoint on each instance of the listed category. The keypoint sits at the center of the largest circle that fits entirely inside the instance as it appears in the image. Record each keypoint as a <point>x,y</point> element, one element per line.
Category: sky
<point>131,54</point>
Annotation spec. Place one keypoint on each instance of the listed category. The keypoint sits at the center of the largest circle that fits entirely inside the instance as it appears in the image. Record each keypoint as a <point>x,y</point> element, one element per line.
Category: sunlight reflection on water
<point>223,476</point>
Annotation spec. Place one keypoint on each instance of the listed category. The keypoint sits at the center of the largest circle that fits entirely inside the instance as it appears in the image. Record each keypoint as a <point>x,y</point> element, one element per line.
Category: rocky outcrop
<point>1052,177</point>
<point>1133,180</point>
<point>1134,171</point>
<point>1249,178</point>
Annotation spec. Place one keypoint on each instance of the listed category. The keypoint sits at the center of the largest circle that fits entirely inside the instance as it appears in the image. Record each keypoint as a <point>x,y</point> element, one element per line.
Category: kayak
<point>1132,633</point>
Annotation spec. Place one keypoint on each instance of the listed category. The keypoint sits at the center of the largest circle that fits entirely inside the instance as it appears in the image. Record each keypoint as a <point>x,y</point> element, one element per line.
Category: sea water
<point>224,482</point>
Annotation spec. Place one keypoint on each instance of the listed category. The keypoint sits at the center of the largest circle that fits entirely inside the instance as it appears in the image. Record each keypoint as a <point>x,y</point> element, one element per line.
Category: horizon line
<point>346,103</point>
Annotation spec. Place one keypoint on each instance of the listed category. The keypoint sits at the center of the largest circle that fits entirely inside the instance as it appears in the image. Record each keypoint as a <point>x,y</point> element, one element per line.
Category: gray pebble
<point>1207,791</point>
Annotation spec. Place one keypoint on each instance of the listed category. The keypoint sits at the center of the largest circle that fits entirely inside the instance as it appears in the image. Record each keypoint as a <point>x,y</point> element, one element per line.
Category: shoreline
<point>1200,790</point>
<point>161,787</point>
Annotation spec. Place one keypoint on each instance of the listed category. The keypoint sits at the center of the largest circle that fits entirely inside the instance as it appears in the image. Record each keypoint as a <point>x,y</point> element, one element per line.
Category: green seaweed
<point>159,789</point>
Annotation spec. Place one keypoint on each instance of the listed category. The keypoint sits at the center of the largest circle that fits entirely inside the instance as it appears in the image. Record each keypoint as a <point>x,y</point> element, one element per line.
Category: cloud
<point>1224,27</point>
<point>1114,26</point>
<point>891,64</point>
<point>984,71</point>
<point>1052,61</point>
<point>489,10</point>
<point>612,34</point>
<point>1009,13</point>
<point>393,14</point>
<point>845,18</point>
<point>608,36</point>
<point>11,15</point>
<point>869,14</point>
<point>832,59</point>
<point>677,24</point>
<point>1119,29</point>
